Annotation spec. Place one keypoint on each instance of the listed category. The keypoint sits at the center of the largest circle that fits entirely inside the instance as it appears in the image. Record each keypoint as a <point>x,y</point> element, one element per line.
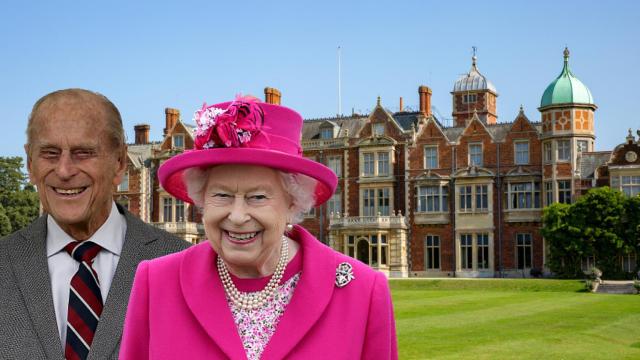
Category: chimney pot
<point>142,133</point>
<point>425,100</point>
<point>171,118</point>
<point>401,104</point>
<point>272,95</point>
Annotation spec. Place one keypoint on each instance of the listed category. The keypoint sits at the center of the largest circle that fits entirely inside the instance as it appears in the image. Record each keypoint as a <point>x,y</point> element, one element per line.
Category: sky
<point>149,55</point>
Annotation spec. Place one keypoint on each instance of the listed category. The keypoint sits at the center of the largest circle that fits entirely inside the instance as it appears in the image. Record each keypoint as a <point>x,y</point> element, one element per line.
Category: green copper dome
<point>566,88</point>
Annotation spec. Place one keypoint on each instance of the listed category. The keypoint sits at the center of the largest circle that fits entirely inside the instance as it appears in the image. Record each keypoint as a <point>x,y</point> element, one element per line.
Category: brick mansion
<point>418,198</point>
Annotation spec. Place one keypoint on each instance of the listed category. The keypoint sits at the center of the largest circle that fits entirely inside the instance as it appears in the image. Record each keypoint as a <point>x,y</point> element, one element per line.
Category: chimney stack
<point>171,118</point>
<point>425,100</point>
<point>401,104</point>
<point>272,96</point>
<point>142,133</point>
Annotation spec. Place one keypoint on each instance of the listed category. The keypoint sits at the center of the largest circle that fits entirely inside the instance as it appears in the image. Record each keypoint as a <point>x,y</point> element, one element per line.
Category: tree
<point>603,224</point>
<point>18,198</point>
<point>600,216</point>
<point>565,245</point>
<point>5,224</point>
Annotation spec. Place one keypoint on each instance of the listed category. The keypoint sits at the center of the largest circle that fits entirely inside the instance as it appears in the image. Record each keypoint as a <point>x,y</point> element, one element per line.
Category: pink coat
<point>178,310</point>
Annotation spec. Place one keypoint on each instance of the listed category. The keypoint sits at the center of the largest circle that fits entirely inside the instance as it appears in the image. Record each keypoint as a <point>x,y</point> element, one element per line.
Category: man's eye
<point>83,154</point>
<point>49,154</point>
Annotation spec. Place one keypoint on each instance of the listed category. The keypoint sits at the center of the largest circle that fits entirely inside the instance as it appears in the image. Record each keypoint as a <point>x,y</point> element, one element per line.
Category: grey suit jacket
<point>28,328</point>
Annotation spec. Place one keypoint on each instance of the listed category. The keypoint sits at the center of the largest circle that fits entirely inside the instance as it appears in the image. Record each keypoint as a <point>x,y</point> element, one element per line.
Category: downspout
<point>499,186</point>
<point>452,206</point>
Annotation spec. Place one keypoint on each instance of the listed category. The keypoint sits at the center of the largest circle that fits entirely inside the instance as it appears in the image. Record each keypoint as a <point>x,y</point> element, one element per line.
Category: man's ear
<point>122,165</point>
<point>27,151</point>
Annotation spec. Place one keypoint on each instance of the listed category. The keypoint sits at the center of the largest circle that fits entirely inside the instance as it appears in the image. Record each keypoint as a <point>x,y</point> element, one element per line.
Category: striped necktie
<point>85,301</point>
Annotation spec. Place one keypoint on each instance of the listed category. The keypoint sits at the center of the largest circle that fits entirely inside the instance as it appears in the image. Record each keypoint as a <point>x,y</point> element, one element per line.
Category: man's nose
<point>65,168</point>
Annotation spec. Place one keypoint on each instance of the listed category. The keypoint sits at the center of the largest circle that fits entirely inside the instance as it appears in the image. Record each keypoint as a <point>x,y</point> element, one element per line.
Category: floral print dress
<point>257,326</point>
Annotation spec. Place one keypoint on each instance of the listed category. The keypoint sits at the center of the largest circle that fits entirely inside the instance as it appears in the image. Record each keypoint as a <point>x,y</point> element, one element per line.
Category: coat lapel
<point>109,331</point>
<point>29,261</point>
<point>310,298</point>
<point>205,297</point>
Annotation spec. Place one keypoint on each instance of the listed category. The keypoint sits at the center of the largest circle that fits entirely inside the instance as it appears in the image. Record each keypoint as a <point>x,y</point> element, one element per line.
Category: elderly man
<point>65,279</point>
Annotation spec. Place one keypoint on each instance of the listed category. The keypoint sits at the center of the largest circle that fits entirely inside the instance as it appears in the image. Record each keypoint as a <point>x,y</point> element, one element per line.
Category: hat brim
<point>172,180</point>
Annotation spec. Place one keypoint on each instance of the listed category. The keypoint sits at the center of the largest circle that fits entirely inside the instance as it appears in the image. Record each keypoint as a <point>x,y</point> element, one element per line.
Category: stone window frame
<point>442,198</point>
<point>426,164</point>
<point>481,252</point>
<point>563,153</point>
<point>380,245</point>
<point>475,153</point>
<point>548,192</point>
<point>177,144</point>
<point>469,98</point>
<point>378,129</point>
<point>579,147</point>
<point>172,206</point>
<point>516,152</point>
<point>564,193</point>
<point>124,184</point>
<point>375,153</point>
<point>336,198</point>
<point>326,132</point>
<point>524,243</point>
<point>334,162</point>
<point>430,248</point>
<point>533,192</point>
<point>547,152</point>
<point>376,208</point>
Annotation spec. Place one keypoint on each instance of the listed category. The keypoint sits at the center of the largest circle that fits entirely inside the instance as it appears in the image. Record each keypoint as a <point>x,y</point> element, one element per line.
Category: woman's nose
<point>238,213</point>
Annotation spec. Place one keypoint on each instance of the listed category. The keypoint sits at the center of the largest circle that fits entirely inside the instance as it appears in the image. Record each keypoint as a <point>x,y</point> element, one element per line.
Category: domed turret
<point>566,88</point>
<point>473,80</point>
<point>473,93</point>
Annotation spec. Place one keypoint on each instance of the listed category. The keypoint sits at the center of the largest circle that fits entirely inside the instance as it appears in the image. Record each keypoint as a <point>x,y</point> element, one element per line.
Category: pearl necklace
<point>253,300</point>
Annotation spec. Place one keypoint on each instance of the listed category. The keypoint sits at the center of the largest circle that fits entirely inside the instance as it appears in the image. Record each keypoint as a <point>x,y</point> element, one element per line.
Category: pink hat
<point>249,132</point>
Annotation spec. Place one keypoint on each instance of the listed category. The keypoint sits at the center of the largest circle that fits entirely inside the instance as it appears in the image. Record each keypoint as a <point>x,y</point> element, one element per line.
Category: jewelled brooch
<point>344,274</point>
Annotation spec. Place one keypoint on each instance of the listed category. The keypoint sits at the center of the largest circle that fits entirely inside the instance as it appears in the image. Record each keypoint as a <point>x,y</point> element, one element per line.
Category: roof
<point>566,88</point>
<point>406,119</point>
<point>473,80</point>
<point>352,124</point>
<point>590,161</point>
<point>139,153</point>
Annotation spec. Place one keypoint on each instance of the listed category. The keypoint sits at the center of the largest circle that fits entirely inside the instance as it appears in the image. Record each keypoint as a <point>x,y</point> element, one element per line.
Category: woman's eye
<point>258,197</point>
<point>221,195</point>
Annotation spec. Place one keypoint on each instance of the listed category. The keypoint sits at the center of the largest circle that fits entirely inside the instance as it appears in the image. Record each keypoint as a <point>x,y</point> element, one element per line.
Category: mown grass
<point>513,319</point>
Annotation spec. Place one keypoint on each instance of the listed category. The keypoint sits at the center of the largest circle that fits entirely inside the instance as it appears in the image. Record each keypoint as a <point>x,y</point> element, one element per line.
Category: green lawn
<point>513,319</point>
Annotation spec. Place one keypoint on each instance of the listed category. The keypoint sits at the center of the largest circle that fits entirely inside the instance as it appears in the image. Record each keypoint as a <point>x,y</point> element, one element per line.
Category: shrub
<point>589,285</point>
<point>636,284</point>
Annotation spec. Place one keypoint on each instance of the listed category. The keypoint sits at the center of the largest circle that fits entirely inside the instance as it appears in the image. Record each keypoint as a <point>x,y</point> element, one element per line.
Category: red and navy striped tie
<point>85,301</point>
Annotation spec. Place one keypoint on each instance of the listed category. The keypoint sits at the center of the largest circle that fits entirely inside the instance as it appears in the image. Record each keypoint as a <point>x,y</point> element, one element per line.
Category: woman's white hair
<point>300,187</point>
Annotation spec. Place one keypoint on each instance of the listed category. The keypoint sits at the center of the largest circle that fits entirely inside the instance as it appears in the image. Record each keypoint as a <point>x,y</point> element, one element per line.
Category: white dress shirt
<point>62,266</point>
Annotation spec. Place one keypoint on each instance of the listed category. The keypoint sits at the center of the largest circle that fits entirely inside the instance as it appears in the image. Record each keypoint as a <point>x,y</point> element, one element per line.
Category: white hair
<point>300,187</point>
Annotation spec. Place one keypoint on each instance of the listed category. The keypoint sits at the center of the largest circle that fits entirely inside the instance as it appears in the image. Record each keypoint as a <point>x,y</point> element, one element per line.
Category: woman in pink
<point>260,287</point>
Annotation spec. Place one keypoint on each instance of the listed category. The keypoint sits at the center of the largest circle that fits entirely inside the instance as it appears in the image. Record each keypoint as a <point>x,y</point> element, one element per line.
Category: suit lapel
<point>310,298</point>
<point>109,331</point>
<point>29,261</point>
<point>205,297</point>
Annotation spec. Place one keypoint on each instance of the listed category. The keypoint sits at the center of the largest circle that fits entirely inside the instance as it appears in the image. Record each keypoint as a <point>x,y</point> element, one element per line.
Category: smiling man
<point>65,279</point>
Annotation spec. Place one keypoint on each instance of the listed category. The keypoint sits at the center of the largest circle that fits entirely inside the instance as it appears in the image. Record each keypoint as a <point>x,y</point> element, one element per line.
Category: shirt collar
<point>110,236</point>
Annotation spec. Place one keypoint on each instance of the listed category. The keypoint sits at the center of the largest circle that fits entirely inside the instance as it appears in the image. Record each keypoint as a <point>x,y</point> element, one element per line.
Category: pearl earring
<point>289,227</point>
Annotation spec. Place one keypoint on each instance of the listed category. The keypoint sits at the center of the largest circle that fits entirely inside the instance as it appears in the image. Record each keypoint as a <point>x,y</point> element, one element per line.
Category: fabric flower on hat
<point>231,127</point>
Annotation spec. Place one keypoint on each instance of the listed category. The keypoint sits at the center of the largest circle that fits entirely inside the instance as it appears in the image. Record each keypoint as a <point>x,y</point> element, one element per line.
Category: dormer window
<point>469,98</point>
<point>178,141</point>
<point>326,133</point>
<point>378,129</point>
